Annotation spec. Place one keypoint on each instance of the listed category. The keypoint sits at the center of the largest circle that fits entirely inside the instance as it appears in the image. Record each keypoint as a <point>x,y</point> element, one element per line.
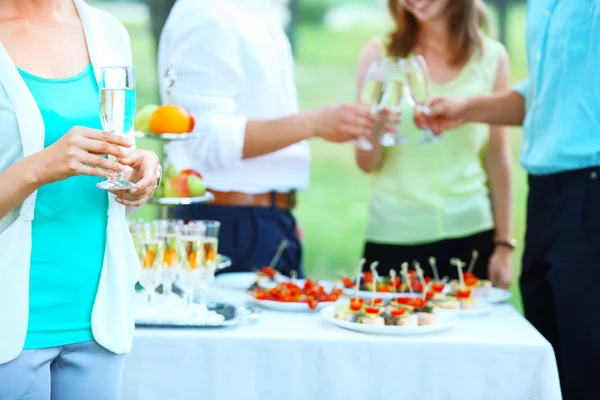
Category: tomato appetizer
<point>393,285</point>
<point>401,311</point>
<point>309,292</point>
<point>478,287</point>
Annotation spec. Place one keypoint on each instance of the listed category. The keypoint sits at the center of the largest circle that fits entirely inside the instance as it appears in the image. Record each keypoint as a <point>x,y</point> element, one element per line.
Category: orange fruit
<point>171,119</point>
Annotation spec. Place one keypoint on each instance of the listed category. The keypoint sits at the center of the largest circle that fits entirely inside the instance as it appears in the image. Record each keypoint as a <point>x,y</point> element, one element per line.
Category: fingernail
<point>124,159</point>
<point>133,190</point>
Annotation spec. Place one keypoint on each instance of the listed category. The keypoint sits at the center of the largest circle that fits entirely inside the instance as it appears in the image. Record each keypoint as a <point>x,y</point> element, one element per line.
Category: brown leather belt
<point>282,201</point>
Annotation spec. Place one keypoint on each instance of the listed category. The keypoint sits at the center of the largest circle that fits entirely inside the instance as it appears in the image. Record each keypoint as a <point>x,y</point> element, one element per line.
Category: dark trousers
<point>250,236</point>
<point>560,280</point>
<point>392,256</point>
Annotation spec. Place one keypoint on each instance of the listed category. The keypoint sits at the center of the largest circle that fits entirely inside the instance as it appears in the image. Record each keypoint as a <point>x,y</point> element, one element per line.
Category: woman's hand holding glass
<point>79,152</point>
<point>143,167</point>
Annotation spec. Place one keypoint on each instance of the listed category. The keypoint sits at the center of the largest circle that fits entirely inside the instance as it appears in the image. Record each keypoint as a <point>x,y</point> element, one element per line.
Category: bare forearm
<point>18,182</point>
<point>264,137</point>
<point>503,108</point>
<point>500,183</point>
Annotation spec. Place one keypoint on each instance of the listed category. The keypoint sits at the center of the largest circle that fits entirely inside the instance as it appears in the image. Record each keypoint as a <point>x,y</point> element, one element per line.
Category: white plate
<point>447,321</point>
<point>498,296</point>
<point>236,280</point>
<point>483,308</point>
<point>282,306</point>
<point>378,295</point>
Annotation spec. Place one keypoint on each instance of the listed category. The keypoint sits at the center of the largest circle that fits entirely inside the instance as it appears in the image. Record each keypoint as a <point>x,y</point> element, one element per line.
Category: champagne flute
<point>190,254</point>
<point>117,111</point>
<point>135,229</point>
<point>417,77</point>
<point>372,93</point>
<point>169,231</point>
<point>209,260</point>
<point>392,98</point>
<point>151,260</point>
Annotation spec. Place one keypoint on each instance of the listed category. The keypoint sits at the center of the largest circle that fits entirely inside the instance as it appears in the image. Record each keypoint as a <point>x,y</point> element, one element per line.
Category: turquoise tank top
<point>69,228</point>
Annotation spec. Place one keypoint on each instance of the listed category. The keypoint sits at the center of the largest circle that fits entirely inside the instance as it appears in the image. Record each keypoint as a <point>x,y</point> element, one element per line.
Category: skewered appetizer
<point>310,293</point>
<point>387,284</point>
<point>478,287</point>
<point>425,310</point>
<point>398,312</point>
<point>264,278</point>
<point>446,302</point>
<point>464,298</point>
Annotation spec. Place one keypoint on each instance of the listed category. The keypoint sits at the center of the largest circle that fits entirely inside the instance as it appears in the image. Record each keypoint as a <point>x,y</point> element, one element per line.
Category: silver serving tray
<point>168,137</point>
<point>182,201</point>
<point>234,315</point>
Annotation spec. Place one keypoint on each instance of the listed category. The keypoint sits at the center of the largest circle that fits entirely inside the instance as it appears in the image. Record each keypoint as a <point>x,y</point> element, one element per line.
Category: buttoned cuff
<point>522,88</point>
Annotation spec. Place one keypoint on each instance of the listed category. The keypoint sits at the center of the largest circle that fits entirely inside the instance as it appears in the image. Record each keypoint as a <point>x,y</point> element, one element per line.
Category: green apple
<point>196,186</point>
<point>141,122</point>
<point>171,172</point>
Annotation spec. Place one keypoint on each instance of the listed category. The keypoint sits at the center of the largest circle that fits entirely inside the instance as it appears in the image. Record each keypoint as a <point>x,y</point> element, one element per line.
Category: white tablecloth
<point>299,356</point>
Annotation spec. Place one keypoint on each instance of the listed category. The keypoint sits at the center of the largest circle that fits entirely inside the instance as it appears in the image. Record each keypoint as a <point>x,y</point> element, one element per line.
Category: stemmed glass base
<point>115,185</point>
<point>429,137</point>
<point>393,139</point>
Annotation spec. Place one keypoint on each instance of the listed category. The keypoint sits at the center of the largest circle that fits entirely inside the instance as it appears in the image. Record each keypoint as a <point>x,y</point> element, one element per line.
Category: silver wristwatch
<point>158,169</point>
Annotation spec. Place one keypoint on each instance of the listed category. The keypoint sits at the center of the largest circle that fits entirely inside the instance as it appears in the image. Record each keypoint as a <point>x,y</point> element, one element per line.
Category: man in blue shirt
<point>559,108</point>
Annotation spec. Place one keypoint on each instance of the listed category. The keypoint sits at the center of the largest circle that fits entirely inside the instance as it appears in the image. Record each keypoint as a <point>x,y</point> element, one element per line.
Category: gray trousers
<point>82,371</point>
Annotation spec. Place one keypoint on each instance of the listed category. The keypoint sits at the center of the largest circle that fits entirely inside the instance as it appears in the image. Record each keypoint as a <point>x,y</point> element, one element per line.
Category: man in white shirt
<point>235,73</point>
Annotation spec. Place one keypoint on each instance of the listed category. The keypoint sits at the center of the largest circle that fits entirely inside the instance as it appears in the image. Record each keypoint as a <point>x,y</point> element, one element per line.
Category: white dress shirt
<point>233,63</point>
<point>22,128</point>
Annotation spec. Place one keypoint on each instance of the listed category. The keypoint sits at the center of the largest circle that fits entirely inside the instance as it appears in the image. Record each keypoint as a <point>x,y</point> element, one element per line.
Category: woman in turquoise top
<point>60,358</point>
<point>447,198</point>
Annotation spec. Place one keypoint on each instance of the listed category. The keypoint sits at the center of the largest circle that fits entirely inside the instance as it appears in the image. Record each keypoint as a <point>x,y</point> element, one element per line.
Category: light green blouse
<point>430,192</point>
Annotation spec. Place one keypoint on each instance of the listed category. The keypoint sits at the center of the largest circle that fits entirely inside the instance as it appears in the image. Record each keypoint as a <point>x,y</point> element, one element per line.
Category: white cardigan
<point>112,316</point>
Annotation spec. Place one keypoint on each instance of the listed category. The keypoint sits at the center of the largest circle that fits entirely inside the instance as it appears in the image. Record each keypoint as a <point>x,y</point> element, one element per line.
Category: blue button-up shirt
<point>562,126</point>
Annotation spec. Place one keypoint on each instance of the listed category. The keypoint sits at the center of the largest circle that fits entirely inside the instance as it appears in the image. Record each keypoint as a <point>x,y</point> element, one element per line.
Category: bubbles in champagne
<point>418,85</point>
<point>117,110</point>
<point>151,259</point>
<point>373,93</point>
<point>394,94</point>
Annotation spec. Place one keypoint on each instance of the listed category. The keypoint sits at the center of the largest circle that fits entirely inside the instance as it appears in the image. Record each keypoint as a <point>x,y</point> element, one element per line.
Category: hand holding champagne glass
<point>383,86</point>
<point>372,93</point>
<point>392,98</point>
<point>117,111</point>
<point>417,78</point>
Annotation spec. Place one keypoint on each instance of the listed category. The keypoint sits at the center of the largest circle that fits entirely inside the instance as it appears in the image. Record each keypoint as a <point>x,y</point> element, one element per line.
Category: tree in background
<point>159,12</point>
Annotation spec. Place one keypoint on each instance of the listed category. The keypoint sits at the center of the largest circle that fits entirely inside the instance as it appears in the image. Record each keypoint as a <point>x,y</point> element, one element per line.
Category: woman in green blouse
<point>447,198</point>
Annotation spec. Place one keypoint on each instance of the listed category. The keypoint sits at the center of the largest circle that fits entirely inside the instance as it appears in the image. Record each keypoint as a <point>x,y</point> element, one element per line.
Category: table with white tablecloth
<point>300,356</point>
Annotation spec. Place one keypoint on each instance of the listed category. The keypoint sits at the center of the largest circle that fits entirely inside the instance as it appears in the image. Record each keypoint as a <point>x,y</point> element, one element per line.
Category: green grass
<point>333,211</point>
